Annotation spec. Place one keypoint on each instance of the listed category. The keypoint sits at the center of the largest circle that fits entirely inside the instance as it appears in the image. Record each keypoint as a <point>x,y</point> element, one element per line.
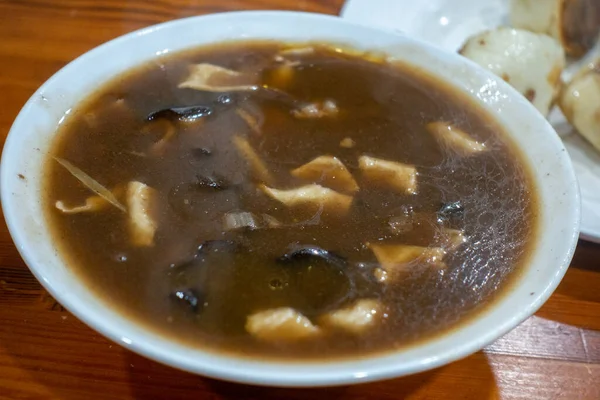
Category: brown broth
<point>383,108</point>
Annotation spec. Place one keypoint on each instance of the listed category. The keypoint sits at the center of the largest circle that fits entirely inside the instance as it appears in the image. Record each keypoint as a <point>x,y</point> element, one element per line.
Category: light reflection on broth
<point>289,202</point>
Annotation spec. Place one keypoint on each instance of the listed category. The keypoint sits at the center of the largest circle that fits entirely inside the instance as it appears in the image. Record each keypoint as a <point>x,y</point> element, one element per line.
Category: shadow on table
<point>55,356</point>
<point>51,355</point>
<point>586,256</point>
<point>575,301</point>
<point>471,378</point>
<point>582,279</point>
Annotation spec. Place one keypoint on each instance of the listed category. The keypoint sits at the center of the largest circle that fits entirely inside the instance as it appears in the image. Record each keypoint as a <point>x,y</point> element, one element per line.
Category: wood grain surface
<point>45,353</point>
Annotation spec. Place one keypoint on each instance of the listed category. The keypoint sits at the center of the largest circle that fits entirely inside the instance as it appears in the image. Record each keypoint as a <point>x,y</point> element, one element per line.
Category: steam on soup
<point>303,201</point>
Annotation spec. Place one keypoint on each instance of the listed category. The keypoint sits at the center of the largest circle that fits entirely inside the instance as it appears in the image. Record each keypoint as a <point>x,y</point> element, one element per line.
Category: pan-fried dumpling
<point>532,63</point>
<point>574,23</point>
<point>580,102</point>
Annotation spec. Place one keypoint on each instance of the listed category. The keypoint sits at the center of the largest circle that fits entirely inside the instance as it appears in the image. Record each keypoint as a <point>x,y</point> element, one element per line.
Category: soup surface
<point>303,201</point>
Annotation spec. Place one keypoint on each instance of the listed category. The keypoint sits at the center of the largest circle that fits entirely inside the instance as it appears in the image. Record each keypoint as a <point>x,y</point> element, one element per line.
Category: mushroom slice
<point>141,200</point>
<point>580,102</point>
<point>330,172</point>
<point>355,318</point>
<point>314,194</point>
<point>574,23</point>
<point>92,203</point>
<point>396,258</point>
<point>257,165</point>
<point>455,138</point>
<point>280,324</point>
<point>213,78</point>
<point>314,110</point>
<point>530,62</point>
<point>398,176</point>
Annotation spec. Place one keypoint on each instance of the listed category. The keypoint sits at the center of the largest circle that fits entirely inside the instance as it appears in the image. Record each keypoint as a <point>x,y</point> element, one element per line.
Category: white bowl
<point>28,144</point>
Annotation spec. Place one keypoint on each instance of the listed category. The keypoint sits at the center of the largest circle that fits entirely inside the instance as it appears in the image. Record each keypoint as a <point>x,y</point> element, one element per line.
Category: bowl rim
<point>277,372</point>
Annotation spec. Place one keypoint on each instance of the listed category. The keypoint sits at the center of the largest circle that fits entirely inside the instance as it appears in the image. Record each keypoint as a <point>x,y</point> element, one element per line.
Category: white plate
<point>447,24</point>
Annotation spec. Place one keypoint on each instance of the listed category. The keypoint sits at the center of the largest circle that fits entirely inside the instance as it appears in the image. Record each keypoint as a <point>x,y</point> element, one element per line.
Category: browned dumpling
<point>530,62</point>
<point>580,103</point>
<point>574,23</point>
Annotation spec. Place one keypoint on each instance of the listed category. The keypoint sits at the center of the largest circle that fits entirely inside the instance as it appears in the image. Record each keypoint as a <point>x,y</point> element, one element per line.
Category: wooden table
<point>45,353</point>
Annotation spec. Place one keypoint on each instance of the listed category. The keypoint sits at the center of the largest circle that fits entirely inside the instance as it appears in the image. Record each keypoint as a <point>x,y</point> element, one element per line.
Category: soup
<point>289,201</point>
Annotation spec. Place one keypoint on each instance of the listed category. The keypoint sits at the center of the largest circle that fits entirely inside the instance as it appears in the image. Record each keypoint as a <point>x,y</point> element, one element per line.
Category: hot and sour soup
<point>303,201</point>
